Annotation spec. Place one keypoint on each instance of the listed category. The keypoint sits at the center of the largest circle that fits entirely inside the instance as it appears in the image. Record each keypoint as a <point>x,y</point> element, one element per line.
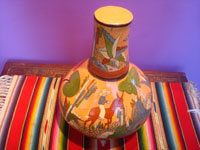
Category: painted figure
<point>102,101</point>
<point>109,112</point>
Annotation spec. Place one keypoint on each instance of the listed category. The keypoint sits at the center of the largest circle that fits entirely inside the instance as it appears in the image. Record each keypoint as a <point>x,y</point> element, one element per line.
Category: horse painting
<point>94,112</point>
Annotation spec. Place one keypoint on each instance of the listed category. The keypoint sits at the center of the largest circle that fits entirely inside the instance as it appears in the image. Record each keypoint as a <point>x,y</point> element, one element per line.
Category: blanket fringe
<point>5,82</point>
<point>195,95</point>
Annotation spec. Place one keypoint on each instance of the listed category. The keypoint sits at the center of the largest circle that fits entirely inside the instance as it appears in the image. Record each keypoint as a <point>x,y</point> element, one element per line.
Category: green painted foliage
<point>128,85</point>
<point>109,45</point>
<point>71,88</point>
<point>133,75</point>
<point>72,117</point>
<point>101,126</point>
<point>121,58</point>
<point>119,131</point>
<point>68,105</point>
<point>100,32</point>
<point>110,63</point>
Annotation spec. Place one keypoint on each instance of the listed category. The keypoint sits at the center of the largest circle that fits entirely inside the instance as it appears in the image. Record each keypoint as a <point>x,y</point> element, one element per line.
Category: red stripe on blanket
<point>184,117</point>
<point>131,142</point>
<point>75,140</point>
<point>19,115</point>
<point>174,117</point>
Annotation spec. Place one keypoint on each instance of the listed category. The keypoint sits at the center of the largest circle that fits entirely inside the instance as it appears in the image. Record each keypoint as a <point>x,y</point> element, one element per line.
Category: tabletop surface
<point>171,96</point>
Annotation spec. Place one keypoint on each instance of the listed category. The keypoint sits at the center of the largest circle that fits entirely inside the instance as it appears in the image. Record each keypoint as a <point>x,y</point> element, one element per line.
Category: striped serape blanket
<point>30,118</point>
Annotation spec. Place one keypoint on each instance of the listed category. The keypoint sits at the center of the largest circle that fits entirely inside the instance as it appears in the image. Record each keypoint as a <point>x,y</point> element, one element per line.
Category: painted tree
<point>71,88</point>
<point>130,83</point>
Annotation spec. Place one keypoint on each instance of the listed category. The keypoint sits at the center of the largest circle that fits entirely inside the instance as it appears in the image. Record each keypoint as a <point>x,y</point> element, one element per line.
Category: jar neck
<point>109,57</point>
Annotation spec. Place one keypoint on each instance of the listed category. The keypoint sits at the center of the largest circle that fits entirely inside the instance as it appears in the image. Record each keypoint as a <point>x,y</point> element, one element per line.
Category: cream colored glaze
<point>113,15</point>
<point>83,110</point>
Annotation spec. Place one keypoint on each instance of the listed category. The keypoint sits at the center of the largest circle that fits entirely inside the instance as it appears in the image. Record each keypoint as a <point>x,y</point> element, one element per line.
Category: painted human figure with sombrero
<point>102,101</point>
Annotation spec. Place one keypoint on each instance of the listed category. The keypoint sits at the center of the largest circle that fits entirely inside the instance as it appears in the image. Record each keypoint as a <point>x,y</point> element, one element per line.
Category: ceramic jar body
<point>105,96</point>
<point>105,109</point>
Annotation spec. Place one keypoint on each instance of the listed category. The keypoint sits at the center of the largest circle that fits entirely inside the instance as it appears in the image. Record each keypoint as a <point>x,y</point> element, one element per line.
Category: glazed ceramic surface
<point>105,109</point>
<point>105,96</point>
<point>110,48</point>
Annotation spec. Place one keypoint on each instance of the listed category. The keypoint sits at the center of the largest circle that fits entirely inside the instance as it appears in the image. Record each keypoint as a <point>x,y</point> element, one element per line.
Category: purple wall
<point>165,35</point>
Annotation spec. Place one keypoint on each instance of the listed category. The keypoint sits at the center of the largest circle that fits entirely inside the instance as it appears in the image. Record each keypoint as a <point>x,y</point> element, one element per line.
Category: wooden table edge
<point>56,70</point>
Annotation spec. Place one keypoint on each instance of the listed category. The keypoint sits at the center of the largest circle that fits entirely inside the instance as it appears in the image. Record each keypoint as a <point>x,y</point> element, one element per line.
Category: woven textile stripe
<point>131,142</point>
<point>48,115</point>
<point>7,116</point>
<point>59,132</point>
<point>76,139</point>
<point>146,135</point>
<point>20,112</point>
<point>158,128</point>
<point>33,120</point>
<point>169,117</point>
<point>181,107</point>
<point>31,131</point>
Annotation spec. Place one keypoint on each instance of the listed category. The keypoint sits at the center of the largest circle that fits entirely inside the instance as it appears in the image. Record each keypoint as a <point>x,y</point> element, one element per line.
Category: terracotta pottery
<point>106,96</point>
